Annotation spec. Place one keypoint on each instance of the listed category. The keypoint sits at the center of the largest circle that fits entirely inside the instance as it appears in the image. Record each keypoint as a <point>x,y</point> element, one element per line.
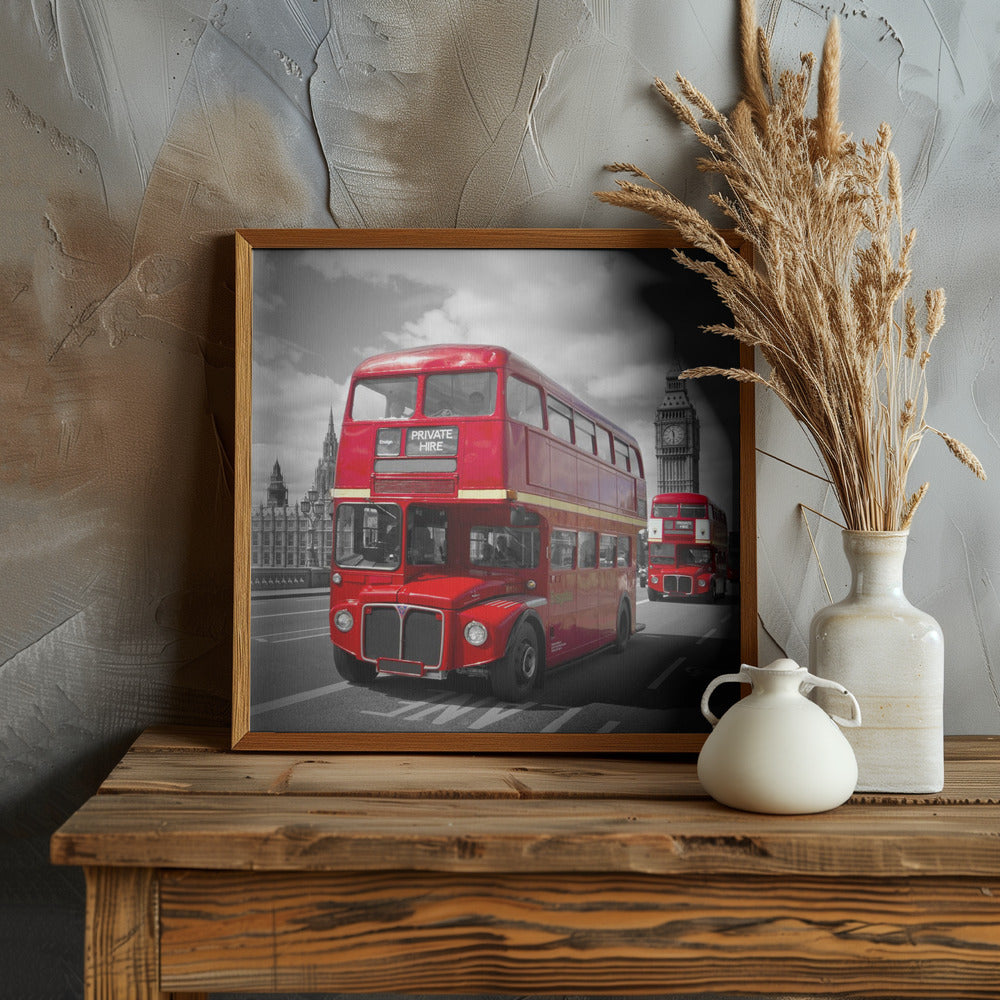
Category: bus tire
<point>623,628</point>
<point>351,669</point>
<point>514,676</point>
<point>654,595</point>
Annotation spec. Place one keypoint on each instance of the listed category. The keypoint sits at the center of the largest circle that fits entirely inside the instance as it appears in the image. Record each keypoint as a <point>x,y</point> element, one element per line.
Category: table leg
<point>122,953</point>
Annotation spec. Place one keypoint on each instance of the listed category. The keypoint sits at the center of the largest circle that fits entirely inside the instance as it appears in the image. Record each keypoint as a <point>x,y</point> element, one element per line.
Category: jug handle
<point>812,681</point>
<point>741,678</point>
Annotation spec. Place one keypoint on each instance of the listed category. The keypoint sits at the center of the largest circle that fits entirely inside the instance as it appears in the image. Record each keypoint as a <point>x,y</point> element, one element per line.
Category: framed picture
<point>476,507</point>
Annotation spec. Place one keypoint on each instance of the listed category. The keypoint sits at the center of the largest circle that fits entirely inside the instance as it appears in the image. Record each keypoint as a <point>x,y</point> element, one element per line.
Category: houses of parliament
<point>291,545</point>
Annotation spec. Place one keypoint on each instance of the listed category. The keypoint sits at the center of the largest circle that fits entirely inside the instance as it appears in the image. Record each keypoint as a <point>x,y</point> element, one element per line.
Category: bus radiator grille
<point>422,637</point>
<point>677,584</point>
<point>401,633</point>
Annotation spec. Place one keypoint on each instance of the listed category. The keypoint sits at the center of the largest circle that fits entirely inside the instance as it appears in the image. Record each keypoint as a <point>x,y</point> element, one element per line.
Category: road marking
<point>666,673</point>
<point>294,636</point>
<point>407,706</point>
<point>556,724</point>
<point>609,726</point>
<point>295,699</point>
<point>707,635</point>
<point>288,614</point>
<point>498,713</point>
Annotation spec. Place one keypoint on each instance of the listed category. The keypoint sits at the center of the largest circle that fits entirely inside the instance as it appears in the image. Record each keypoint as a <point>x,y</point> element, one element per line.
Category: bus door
<point>563,620</point>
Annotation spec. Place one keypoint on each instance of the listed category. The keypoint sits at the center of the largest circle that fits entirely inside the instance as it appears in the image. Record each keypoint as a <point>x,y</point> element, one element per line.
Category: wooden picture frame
<point>602,317</point>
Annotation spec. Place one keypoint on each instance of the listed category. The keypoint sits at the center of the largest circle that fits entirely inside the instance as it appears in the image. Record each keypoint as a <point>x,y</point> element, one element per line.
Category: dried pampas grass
<point>823,302</point>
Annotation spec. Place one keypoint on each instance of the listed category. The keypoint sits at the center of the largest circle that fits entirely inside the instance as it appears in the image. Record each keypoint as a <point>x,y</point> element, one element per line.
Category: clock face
<point>672,434</point>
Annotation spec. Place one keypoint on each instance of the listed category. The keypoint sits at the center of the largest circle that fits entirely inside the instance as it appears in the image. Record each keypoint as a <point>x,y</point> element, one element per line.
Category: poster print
<point>476,506</point>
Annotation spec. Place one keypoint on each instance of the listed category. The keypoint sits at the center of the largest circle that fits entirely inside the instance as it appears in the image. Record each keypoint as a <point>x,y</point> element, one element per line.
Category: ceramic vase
<point>891,655</point>
<point>775,751</point>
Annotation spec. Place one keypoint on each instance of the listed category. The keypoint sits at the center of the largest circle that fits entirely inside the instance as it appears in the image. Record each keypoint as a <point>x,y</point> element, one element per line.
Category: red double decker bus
<point>485,521</point>
<point>688,547</point>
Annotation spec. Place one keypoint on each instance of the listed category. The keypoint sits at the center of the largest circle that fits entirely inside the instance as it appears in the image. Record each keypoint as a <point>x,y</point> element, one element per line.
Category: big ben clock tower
<point>677,444</point>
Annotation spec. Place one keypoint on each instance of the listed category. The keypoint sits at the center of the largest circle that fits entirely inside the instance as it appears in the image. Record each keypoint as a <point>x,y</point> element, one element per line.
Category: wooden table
<point>211,870</point>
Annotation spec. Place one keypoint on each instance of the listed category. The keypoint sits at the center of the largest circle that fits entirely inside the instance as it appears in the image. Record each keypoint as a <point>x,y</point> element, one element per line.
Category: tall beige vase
<point>891,656</point>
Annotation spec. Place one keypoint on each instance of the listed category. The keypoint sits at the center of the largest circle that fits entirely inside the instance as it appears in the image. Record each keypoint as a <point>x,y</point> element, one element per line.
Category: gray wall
<point>137,136</point>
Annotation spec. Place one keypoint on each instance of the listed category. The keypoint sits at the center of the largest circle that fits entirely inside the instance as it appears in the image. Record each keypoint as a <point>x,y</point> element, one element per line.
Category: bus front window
<point>368,535</point>
<point>693,555</point>
<point>426,536</point>
<point>462,394</point>
<point>661,553</point>
<point>385,398</point>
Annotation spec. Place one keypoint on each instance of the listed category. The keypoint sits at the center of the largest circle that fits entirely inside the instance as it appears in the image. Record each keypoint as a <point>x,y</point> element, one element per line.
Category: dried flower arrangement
<point>823,215</point>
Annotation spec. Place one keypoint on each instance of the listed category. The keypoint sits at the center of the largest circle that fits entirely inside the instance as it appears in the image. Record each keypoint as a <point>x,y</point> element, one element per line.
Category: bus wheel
<point>515,675</point>
<point>351,669</point>
<point>653,595</point>
<point>624,628</point>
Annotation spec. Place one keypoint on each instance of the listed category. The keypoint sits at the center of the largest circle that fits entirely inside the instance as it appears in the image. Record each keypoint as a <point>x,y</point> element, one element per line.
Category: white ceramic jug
<point>775,751</point>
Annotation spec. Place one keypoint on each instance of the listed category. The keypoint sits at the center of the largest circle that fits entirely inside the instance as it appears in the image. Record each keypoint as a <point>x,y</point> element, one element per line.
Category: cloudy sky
<point>599,322</point>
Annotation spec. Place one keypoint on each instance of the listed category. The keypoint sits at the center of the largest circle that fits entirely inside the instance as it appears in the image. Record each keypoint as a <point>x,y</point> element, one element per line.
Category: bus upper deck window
<point>466,394</point>
<point>586,433</point>
<point>603,444</point>
<point>560,419</point>
<point>524,402</point>
<point>385,398</point>
<point>621,454</point>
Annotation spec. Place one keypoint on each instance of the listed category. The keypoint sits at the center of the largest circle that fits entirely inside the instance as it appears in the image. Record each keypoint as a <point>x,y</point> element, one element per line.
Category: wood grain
<point>375,834</point>
<point>420,933</point>
<point>121,952</point>
<point>214,870</point>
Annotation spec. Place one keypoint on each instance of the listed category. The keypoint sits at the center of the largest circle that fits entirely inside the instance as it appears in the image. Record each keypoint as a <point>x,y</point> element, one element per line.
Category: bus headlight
<point>337,579</point>
<point>654,579</point>
<point>344,620</point>
<point>476,634</point>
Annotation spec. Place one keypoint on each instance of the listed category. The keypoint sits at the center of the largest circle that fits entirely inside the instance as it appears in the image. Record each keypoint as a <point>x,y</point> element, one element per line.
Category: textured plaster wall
<point>136,136</point>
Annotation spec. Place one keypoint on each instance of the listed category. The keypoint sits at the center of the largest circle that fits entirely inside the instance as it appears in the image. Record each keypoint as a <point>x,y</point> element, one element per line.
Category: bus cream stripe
<point>575,508</point>
<point>503,494</point>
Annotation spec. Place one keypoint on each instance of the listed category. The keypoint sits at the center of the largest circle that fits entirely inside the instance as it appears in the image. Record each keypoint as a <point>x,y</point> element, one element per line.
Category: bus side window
<point>621,455</point>
<point>624,550</point>
<point>560,420</point>
<point>563,549</point>
<point>603,444</point>
<point>636,462</point>
<point>588,550</point>
<point>586,433</point>
<point>607,551</point>
<point>524,402</point>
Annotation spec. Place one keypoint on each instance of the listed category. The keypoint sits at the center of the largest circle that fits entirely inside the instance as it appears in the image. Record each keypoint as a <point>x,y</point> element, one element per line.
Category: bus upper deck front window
<point>385,398</point>
<point>368,535</point>
<point>460,394</point>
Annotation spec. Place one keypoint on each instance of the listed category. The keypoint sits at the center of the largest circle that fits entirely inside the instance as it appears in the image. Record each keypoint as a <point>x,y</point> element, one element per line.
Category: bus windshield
<point>368,535</point>
<point>426,536</point>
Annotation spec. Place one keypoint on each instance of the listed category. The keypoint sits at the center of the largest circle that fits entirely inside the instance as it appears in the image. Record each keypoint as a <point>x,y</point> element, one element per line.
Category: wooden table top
<point>181,799</point>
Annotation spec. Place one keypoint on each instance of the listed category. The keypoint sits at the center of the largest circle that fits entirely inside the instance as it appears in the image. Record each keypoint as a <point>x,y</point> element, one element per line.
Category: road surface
<point>655,686</point>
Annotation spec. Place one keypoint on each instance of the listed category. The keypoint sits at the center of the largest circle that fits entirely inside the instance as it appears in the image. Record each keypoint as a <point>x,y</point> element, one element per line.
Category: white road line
<point>609,726</point>
<point>666,673</point>
<point>295,699</point>
<point>556,724</point>
<point>295,636</point>
<point>325,610</point>
<point>707,635</point>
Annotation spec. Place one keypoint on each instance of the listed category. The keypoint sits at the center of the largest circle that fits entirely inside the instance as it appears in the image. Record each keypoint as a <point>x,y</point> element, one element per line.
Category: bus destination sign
<point>432,441</point>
